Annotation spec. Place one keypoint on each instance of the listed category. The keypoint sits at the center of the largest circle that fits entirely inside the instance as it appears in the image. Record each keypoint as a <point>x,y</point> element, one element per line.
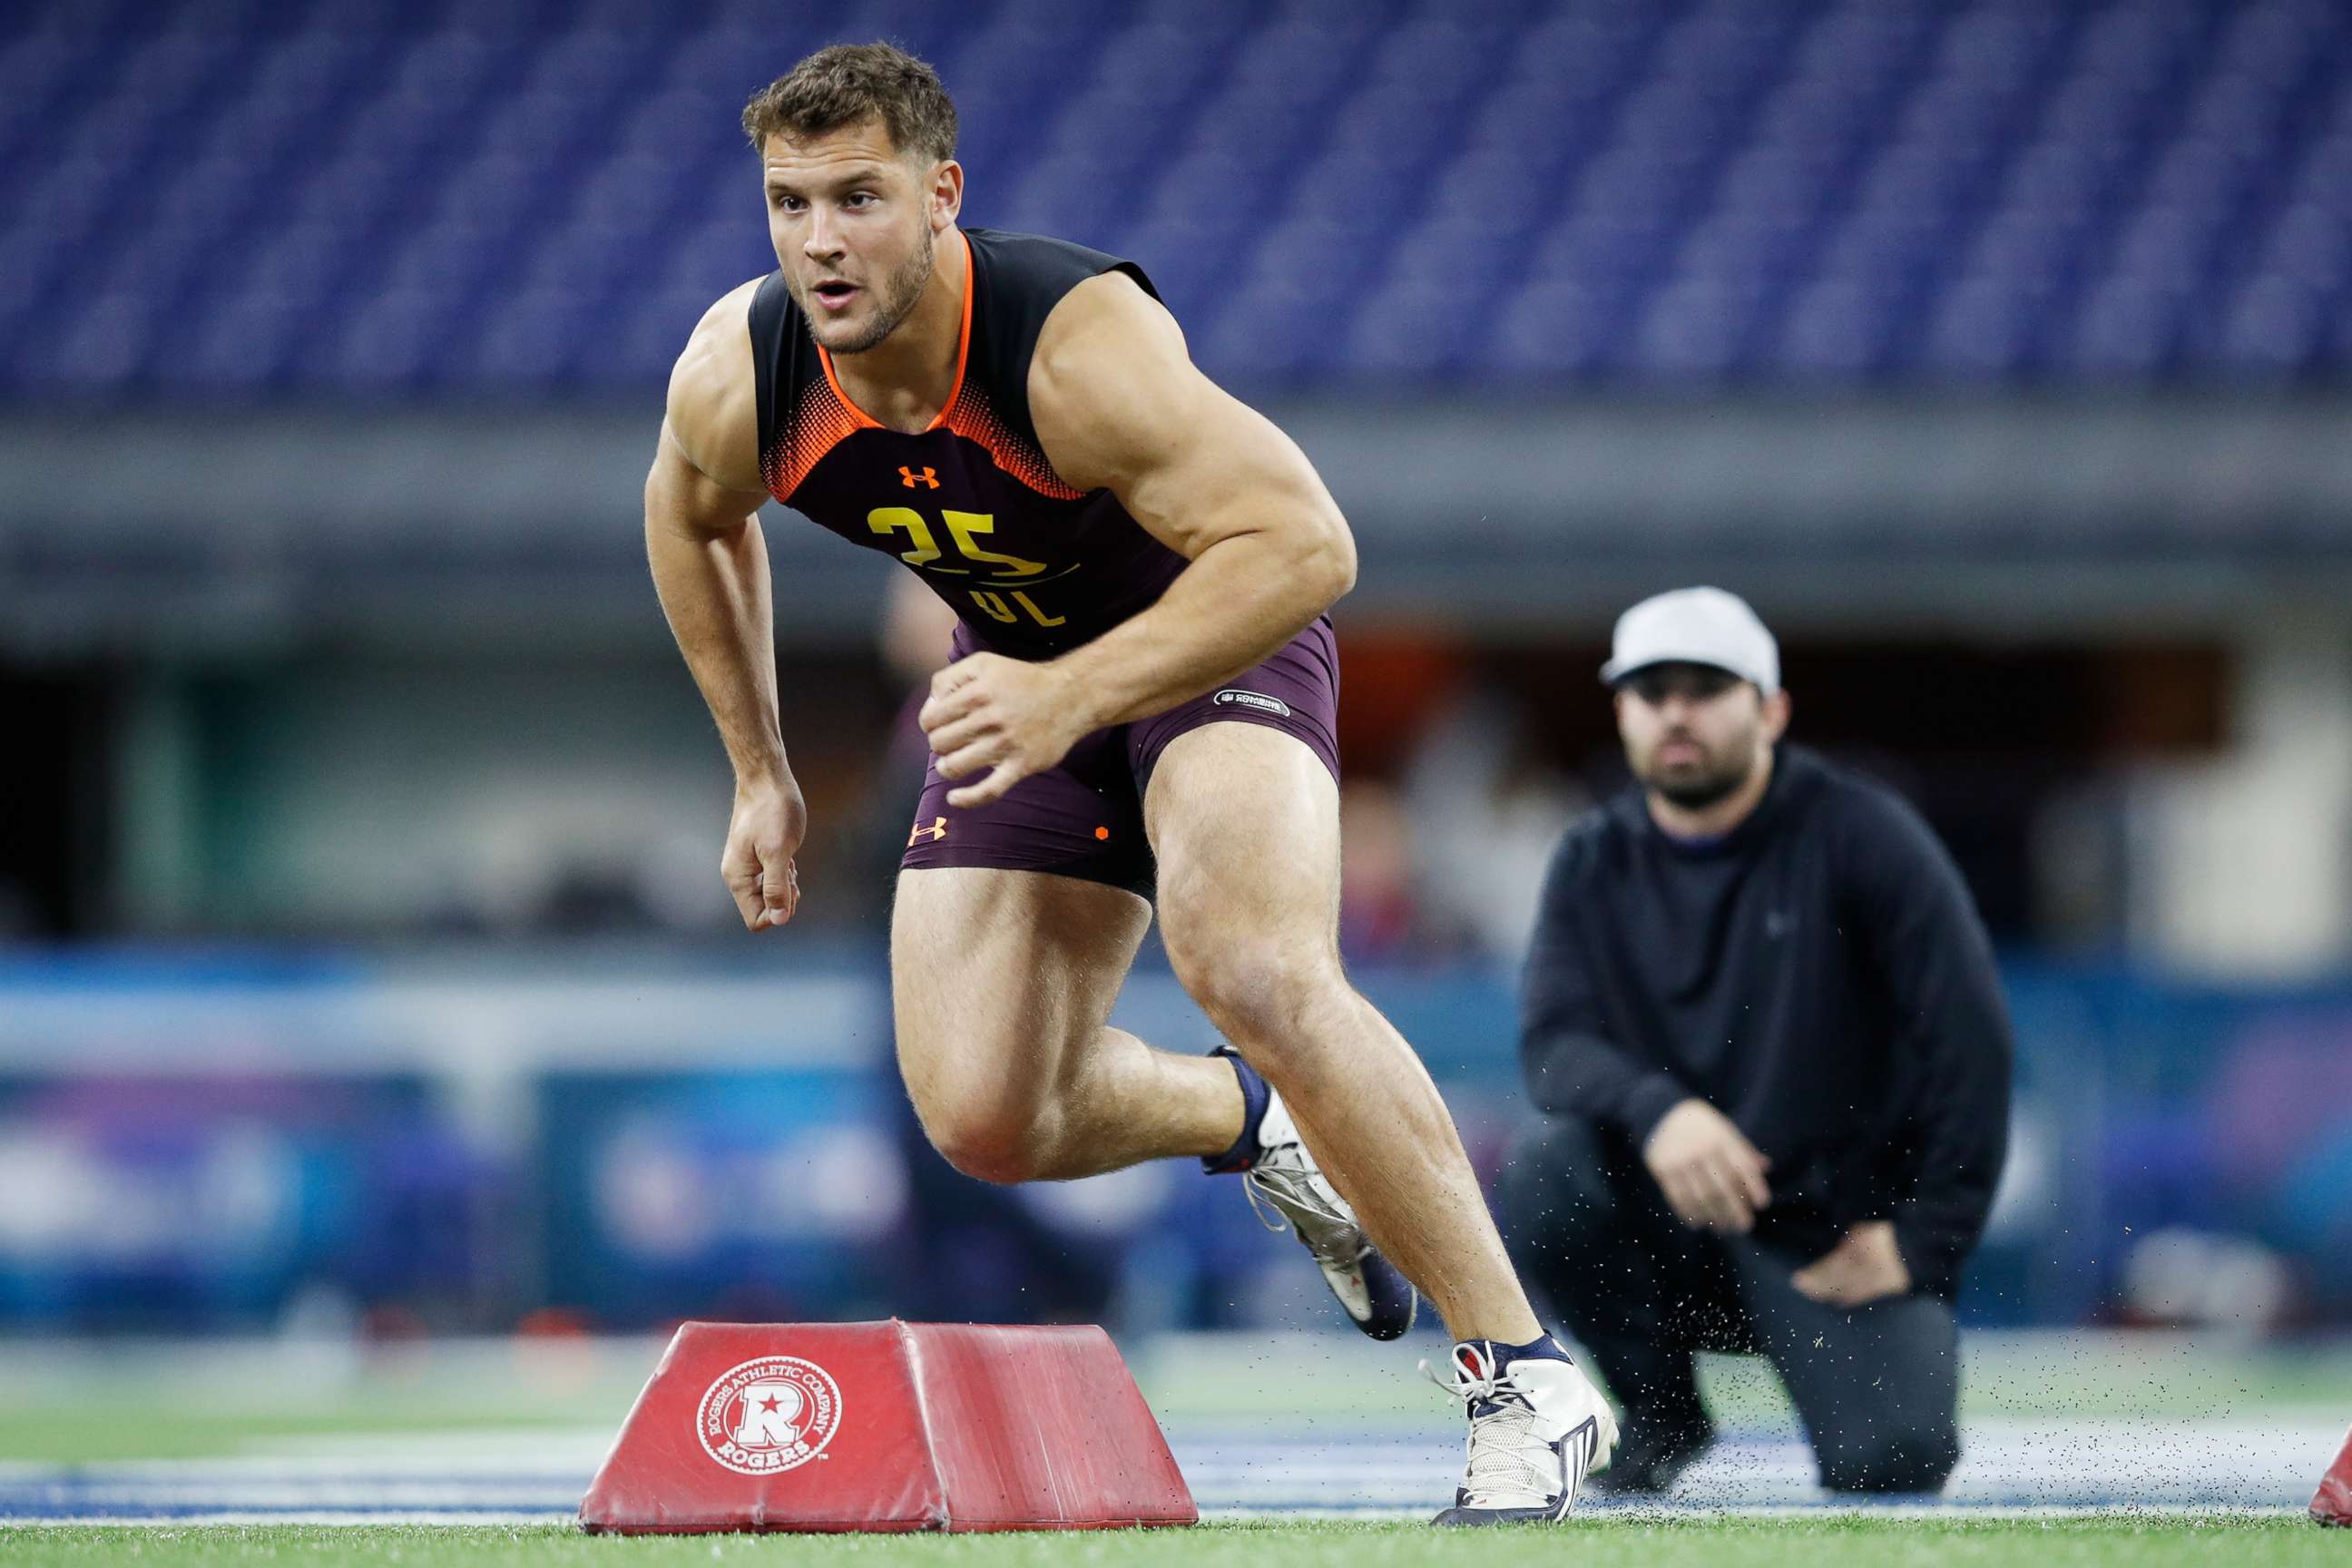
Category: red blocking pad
<point>2332,1503</point>
<point>887,1427</point>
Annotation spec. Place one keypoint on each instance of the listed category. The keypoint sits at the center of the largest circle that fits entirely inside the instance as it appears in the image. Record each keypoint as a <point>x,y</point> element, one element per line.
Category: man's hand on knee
<point>1712,1176</point>
<point>1865,1267</point>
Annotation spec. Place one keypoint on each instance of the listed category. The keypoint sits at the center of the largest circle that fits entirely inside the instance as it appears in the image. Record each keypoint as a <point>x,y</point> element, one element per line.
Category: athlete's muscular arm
<point>710,568</point>
<point>1118,403</point>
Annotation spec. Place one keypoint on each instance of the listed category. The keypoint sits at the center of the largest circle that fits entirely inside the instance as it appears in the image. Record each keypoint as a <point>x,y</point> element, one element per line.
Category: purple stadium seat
<point>520,196</point>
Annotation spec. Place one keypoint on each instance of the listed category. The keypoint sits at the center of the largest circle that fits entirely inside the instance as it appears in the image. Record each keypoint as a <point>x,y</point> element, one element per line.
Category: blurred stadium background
<point>367,990</point>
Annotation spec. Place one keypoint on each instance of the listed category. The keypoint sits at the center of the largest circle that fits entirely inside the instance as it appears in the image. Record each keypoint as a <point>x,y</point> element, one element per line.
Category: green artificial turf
<point>1615,1542</point>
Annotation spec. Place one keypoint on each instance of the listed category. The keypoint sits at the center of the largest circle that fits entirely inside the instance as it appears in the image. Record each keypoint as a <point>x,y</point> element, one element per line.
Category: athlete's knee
<point>985,1129</point>
<point>990,1144</point>
<point>1891,1456</point>
<point>1261,991</point>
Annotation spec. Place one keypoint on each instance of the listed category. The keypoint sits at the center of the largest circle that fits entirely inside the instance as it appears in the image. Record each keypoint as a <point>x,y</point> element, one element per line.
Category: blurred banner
<point>402,1149</point>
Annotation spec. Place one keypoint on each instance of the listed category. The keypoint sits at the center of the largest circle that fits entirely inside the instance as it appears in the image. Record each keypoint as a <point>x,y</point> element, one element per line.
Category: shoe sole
<point>1384,1284</point>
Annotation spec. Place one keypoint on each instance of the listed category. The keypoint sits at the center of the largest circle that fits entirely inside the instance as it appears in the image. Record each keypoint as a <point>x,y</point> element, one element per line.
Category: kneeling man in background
<point>1763,1025</point>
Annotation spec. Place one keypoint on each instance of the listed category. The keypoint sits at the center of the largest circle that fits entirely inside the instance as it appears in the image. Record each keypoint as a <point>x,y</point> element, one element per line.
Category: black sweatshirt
<point>1819,974</point>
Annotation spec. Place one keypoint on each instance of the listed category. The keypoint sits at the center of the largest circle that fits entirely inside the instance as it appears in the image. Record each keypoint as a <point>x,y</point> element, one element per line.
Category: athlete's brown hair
<point>849,84</point>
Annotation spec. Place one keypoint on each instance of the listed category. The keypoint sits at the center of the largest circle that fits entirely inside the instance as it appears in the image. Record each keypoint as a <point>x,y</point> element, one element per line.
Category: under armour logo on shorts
<point>936,831</point>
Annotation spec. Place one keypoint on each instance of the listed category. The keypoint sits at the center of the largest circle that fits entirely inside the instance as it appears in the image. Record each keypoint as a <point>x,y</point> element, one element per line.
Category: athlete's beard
<point>1714,782</point>
<point>896,301</point>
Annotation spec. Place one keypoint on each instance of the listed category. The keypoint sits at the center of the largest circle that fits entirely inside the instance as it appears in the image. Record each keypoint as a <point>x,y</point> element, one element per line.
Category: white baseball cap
<point>1695,625</point>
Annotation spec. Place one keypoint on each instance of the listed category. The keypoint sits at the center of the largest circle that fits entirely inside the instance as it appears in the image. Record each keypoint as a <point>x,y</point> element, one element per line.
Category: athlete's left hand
<point>1005,715</point>
<point>1862,1267</point>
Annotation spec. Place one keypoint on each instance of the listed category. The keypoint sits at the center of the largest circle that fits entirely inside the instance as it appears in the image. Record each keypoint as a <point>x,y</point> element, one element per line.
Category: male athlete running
<point>1142,699</point>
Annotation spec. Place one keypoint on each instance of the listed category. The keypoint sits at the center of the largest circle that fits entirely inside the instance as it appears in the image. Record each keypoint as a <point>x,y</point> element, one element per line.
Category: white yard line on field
<point>2010,1468</point>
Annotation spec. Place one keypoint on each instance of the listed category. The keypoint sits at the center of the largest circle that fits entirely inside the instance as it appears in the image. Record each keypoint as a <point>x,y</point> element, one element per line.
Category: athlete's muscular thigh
<point>1244,819</point>
<point>1000,983</point>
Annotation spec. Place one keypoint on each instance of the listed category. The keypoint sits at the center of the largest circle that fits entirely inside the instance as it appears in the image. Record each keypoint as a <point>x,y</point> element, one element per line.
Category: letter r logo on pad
<point>770,1415</point>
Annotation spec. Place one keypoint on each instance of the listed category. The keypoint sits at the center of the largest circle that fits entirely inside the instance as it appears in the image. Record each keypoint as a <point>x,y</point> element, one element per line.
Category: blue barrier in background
<point>210,1141</point>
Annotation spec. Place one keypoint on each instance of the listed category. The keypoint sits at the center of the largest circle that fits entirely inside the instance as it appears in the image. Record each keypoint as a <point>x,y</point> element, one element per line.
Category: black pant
<point>1878,1389</point>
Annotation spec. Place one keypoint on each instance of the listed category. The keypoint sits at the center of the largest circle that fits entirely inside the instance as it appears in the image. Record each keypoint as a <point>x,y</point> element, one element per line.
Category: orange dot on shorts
<point>1102,833</point>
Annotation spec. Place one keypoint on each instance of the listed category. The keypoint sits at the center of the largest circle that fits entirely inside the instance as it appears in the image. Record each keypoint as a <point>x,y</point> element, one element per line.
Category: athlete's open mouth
<point>835,291</point>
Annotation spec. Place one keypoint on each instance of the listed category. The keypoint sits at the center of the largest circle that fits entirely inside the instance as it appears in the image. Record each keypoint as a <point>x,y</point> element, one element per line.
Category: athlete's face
<point>854,222</point>
<point>1695,733</point>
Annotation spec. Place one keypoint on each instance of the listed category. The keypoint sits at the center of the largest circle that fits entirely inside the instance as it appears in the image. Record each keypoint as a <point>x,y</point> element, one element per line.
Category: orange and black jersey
<point>1031,566</point>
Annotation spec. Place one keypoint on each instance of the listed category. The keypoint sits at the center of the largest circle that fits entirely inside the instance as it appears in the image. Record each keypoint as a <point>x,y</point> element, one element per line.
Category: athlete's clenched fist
<point>1005,715</point>
<point>762,835</point>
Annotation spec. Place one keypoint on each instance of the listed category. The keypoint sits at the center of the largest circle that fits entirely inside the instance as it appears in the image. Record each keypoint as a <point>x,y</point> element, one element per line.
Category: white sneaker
<point>1283,1177</point>
<point>1538,1427</point>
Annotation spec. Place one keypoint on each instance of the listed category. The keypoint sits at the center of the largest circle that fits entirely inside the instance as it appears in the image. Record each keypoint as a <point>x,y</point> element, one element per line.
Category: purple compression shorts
<point>1084,818</point>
